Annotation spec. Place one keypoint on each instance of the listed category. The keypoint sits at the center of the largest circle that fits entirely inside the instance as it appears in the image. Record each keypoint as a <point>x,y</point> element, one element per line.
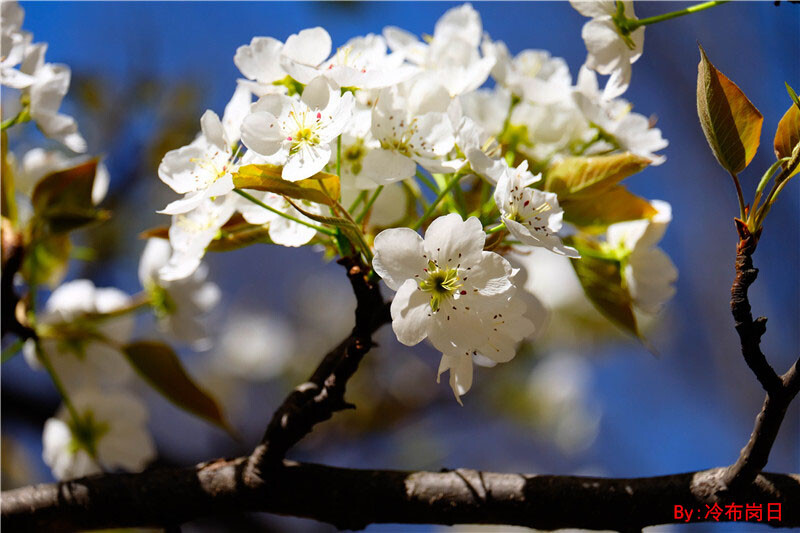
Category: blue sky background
<point>691,408</point>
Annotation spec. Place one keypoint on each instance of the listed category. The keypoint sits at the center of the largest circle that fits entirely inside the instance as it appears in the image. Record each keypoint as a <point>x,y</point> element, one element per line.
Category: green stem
<point>23,116</point>
<point>368,206</point>
<point>495,229</point>
<point>777,187</point>
<point>428,183</point>
<point>12,349</point>
<point>762,185</point>
<point>431,208</point>
<point>339,156</point>
<point>631,25</point>
<point>138,302</point>
<point>42,356</point>
<point>358,200</point>
<point>739,195</point>
<point>258,202</point>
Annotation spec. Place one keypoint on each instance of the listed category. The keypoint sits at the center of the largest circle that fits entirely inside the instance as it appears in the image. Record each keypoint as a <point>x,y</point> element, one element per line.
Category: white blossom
<point>448,290</point>
<point>77,358</point>
<point>363,63</point>
<point>191,232</point>
<point>297,133</point>
<point>179,305</point>
<point>488,108</point>
<point>357,142</point>
<point>649,273</point>
<point>412,127</point>
<point>549,129</point>
<point>260,63</point>
<point>111,434</point>
<point>49,85</point>
<point>631,131</point>
<point>14,42</point>
<point>609,52</point>
<point>532,74</point>
<point>452,56</point>
<point>531,215</point>
<point>204,169</point>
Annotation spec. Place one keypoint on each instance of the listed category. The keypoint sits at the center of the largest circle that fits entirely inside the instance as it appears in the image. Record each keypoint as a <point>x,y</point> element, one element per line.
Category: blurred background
<point>583,399</point>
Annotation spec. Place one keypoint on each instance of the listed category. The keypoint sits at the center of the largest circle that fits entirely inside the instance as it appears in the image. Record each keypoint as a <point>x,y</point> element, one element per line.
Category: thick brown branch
<point>781,390</point>
<point>323,394</point>
<point>353,499</point>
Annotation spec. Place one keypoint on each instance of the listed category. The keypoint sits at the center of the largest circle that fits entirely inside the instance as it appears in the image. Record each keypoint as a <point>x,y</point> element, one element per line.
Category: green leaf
<point>321,188</point>
<point>601,279</point>
<point>731,123</point>
<point>792,95</point>
<point>584,176</point>
<point>63,199</point>
<point>158,364</point>
<point>616,204</point>
<point>787,136</point>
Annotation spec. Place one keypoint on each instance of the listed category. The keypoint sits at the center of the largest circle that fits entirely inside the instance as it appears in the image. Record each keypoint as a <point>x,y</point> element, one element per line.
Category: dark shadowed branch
<point>353,499</point>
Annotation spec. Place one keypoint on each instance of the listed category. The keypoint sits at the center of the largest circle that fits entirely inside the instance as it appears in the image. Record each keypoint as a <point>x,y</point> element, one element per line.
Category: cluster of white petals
<point>609,51</point>
<point>79,337</point>
<point>452,292</point>
<point>381,110</point>
<point>78,358</point>
<point>649,272</point>
<point>112,435</point>
<point>531,215</point>
<point>43,85</point>
<point>180,305</point>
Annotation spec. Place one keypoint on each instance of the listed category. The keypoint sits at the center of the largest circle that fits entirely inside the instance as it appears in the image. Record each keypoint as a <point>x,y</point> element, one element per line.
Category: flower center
<point>440,283</point>
<point>212,167</point>
<point>401,138</point>
<point>305,128</point>
<point>353,156</point>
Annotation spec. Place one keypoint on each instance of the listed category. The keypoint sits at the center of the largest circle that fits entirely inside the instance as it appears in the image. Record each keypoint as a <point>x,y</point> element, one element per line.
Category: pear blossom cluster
<point>394,111</point>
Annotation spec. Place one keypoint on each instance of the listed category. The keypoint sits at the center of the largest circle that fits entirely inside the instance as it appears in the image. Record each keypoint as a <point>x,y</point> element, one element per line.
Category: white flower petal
<point>449,241</point>
<point>410,313</point>
<point>398,256</point>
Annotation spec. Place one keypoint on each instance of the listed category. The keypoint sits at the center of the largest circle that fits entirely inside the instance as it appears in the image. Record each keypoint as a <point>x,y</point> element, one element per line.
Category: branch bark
<point>352,499</point>
<point>781,390</point>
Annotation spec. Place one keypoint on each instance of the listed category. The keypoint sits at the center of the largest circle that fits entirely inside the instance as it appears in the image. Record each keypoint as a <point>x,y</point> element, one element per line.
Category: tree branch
<point>13,252</point>
<point>781,390</point>
<point>323,394</point>
<point>352,499</point>
<point>749,330</point>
